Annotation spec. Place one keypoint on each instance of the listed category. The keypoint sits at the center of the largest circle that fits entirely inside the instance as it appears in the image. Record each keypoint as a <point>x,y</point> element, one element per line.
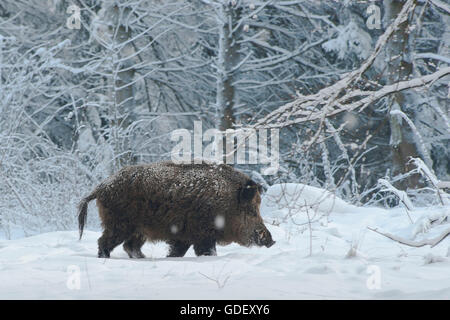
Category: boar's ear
<point>248,191</point>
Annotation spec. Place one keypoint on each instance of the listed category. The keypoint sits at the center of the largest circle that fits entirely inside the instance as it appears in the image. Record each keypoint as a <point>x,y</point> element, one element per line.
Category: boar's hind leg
<point>108,241</point>
<point>133,246</point>
<point>178,248</point>
<point>206,247</point>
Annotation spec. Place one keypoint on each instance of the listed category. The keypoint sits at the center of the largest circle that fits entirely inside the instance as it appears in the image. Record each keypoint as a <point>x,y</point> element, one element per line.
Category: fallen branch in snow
<point>411,243</point>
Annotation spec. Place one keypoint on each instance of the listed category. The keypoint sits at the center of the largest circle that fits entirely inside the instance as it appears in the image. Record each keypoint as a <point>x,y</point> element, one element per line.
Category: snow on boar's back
<point>182,204</point>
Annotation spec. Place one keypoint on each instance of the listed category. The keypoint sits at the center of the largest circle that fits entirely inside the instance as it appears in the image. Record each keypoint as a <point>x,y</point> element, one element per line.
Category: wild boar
<point>181,204</point>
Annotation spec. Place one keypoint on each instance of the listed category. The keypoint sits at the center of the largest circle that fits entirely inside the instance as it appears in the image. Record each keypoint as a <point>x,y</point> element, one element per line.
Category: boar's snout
<point>262,237</point>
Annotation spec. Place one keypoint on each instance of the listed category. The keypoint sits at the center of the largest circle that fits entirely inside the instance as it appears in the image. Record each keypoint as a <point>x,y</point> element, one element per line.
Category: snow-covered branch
<point>441,5</point>
<point>426,242</point>
<point>326,103</point>
<point>342,96</point>
<point>388,187</point>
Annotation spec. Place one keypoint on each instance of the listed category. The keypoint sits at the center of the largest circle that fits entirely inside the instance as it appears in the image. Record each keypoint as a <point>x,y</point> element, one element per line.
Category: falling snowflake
<point>219,222</point>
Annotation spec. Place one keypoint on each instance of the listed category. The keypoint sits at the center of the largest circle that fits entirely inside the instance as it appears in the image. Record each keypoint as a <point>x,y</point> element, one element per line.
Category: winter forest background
<point>357,89</point>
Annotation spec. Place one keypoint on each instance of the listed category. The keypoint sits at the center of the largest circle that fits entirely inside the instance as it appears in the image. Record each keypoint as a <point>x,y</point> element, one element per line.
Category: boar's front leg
<point>206,247</point>
<point>178,248</point>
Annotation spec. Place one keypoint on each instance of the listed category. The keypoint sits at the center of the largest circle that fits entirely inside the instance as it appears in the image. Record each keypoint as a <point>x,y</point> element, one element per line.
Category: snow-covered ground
<point>346,260</point>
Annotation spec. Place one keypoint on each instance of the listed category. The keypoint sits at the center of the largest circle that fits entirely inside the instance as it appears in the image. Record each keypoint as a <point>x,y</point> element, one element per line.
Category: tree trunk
<point>124,95</point>
<point>228,58</point>
<point>123,86</point>
<point>399,68</point>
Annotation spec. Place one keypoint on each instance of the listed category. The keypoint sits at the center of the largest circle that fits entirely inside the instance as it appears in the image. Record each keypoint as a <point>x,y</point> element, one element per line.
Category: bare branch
<point>326,104</point>
<point>431,242</point>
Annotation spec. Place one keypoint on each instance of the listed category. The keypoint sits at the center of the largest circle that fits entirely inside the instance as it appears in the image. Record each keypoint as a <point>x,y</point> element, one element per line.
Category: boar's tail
<point>82,211</point>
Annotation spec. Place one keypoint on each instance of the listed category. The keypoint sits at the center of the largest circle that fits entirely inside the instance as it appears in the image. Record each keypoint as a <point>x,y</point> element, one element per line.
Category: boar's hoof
<point>135,254</point>
<point>103,254</point>
<point>178,248</point>
<point>205,248</point>
<point>133,246</point>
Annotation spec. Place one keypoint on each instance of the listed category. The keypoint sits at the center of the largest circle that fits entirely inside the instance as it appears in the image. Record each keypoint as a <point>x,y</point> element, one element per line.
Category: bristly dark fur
<point>179,204</point>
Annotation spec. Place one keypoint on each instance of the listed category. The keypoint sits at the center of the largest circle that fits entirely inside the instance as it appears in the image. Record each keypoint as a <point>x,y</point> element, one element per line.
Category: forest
<point>357,92</point>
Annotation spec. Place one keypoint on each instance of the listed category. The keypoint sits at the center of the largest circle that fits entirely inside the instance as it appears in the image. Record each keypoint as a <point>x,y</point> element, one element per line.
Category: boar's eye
<point>248,191</point>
